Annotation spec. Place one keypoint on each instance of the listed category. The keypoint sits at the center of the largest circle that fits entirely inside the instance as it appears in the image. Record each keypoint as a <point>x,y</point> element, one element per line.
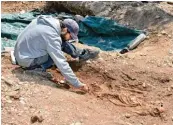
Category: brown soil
<point>131,89</point>
<point>12,7</point>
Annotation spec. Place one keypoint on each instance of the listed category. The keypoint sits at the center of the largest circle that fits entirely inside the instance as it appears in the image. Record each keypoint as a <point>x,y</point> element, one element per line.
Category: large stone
<point>131,13</point>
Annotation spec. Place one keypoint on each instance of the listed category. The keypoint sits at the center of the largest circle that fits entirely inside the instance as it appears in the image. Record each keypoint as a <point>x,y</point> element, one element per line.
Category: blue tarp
<point>94,31</point>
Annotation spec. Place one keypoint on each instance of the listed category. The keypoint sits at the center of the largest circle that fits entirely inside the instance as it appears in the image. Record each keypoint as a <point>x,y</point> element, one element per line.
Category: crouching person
<point>43,42</point>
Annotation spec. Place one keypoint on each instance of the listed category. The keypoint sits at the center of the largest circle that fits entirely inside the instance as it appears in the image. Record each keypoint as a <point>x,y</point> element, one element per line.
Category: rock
<point>22,12</point>
<point>171,86</point>
<point>36,118</point>
<point>16,97</point>
<point>62,81</point>
<point>100,59</point>
<point>7,81</point>
<point>169,89</point>
<point>20,83</point>
<point>147,37</point>
<point>127,115</point>
<point>170,2</point>
<point>76,123</point>
<point>157,17</point>
<point>9,101</point>
<point>144,85</point>
<point>169,36</point>
<point>171,52</point>
<point>163,32</point>
<point>14,94</point>
<point>22,100</point>
<point>142,54</point>
<point>88,62</point>
<point>159,35</point>
<point>16,88</point>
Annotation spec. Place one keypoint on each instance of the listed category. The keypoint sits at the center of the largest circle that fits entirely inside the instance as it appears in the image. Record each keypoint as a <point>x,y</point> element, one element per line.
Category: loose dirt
<point>135,88</point>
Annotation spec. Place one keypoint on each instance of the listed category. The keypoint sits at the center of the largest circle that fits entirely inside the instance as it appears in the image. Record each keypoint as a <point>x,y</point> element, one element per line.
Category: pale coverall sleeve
<point>57,55</point>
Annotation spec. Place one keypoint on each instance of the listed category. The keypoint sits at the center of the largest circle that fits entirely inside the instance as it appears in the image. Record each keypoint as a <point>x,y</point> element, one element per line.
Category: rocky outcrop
<point>140,15</point>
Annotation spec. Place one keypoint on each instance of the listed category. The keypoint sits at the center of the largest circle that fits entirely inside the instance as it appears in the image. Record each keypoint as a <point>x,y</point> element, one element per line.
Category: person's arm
<point>55,52</point>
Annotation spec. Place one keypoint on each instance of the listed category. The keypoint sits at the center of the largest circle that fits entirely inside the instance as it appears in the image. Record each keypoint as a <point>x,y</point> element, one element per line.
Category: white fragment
<point>22,12</point>
<point>144,85</point>
<point>100,59</point>
<point>9,101</point>
<point>169,36</point>
<point>76,123</point>
<point>159,35</point>
<point>62,81</point>
<point>127,115</point>
<point>88,61</point>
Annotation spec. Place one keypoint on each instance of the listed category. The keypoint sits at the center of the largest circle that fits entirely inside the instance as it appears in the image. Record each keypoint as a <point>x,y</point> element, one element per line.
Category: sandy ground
<point>135,88</point>
<point>12,7</point>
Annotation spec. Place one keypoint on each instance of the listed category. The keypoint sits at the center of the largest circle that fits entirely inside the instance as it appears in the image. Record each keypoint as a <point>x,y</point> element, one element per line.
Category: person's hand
<point>84,88</point>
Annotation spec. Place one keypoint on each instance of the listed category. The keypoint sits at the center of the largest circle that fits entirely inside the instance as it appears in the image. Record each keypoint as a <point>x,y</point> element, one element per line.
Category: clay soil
<point>135,88</point>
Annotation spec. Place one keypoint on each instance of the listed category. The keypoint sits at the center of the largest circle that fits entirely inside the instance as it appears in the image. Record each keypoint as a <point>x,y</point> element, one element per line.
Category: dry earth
<point>135,88</point>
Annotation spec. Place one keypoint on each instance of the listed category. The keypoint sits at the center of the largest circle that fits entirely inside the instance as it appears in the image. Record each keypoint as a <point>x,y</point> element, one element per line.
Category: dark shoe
<point>88,54</point>
<point>39,72</point>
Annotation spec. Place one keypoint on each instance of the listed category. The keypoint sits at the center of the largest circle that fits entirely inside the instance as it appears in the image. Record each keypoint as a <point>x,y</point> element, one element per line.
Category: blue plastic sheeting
<point>12,25</point>
<point>94,31</point>
<point>105,33</point>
